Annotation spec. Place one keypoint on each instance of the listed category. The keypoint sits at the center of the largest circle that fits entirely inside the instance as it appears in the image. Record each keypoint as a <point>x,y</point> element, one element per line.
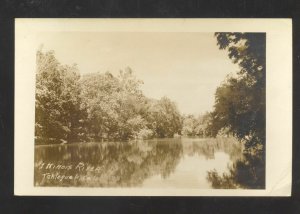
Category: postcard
<point>167,107</point>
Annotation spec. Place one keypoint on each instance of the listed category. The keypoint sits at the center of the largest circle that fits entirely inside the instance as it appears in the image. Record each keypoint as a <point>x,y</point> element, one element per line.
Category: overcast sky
<point>186,67</point>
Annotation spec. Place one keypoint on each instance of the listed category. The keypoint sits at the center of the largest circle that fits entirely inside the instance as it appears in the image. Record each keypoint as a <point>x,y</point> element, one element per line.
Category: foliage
<point>57,109</point>
<point>164,118</point>
<point>117,109</point>
<point>240,100</point>
<point>97,106</point>
<point>196,126</point>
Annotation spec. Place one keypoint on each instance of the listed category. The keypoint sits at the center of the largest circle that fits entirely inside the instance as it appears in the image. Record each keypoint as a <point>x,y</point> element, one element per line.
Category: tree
<point>240,100</point>
<point>196,126</point>
<point>57,108</point>
<point>97,106</point>
<point>189,126</point>
<point>131,106</point>
<point>164,118</point>
<point>241,110</point>
<point>115,105</point>
<point>98,98</point>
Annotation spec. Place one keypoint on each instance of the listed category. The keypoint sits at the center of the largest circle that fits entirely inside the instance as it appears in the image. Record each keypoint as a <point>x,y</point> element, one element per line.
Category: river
<point>156,163</point>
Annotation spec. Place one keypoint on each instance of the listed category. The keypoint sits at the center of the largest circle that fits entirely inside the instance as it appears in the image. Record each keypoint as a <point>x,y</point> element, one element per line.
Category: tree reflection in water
<point>207,147</point>
<point>129,164</point>
<point>247,173</point>
<point>246,170</point>
<point>118,164</point>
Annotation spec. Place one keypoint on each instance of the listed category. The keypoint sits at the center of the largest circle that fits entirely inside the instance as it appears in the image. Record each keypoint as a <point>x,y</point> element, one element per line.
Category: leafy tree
<point>240,100</point>
<point>57,107</point>
<point>196,126</point>
<point>98,98</point>
<point>189,126</point>
<point>115,105</point>
<point>165,118</point>
<point>240,109</point>
<point>97,106</point>
<point>131,108</point>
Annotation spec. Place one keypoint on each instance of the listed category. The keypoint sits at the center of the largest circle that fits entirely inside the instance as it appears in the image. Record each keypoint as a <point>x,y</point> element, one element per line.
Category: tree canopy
<point>97,106</point>
<point>58,104</point>
<point>240,100</point>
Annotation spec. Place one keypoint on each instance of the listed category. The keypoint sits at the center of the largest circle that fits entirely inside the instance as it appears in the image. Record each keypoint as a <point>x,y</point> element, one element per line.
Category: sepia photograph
<point>149,109</point>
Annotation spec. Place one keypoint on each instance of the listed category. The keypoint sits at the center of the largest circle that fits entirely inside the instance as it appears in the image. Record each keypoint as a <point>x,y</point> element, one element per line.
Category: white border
<point>279,98</point>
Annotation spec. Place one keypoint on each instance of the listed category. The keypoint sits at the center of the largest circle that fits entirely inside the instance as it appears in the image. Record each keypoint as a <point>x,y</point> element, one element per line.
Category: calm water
<point>159,163</point>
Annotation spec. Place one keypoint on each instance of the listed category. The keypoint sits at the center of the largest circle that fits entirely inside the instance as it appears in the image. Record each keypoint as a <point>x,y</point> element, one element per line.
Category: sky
<point>187,67</point>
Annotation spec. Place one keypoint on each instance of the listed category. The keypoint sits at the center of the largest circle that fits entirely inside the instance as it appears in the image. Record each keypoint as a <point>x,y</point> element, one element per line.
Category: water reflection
<point>160,163</point>
<point>247,173</point>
